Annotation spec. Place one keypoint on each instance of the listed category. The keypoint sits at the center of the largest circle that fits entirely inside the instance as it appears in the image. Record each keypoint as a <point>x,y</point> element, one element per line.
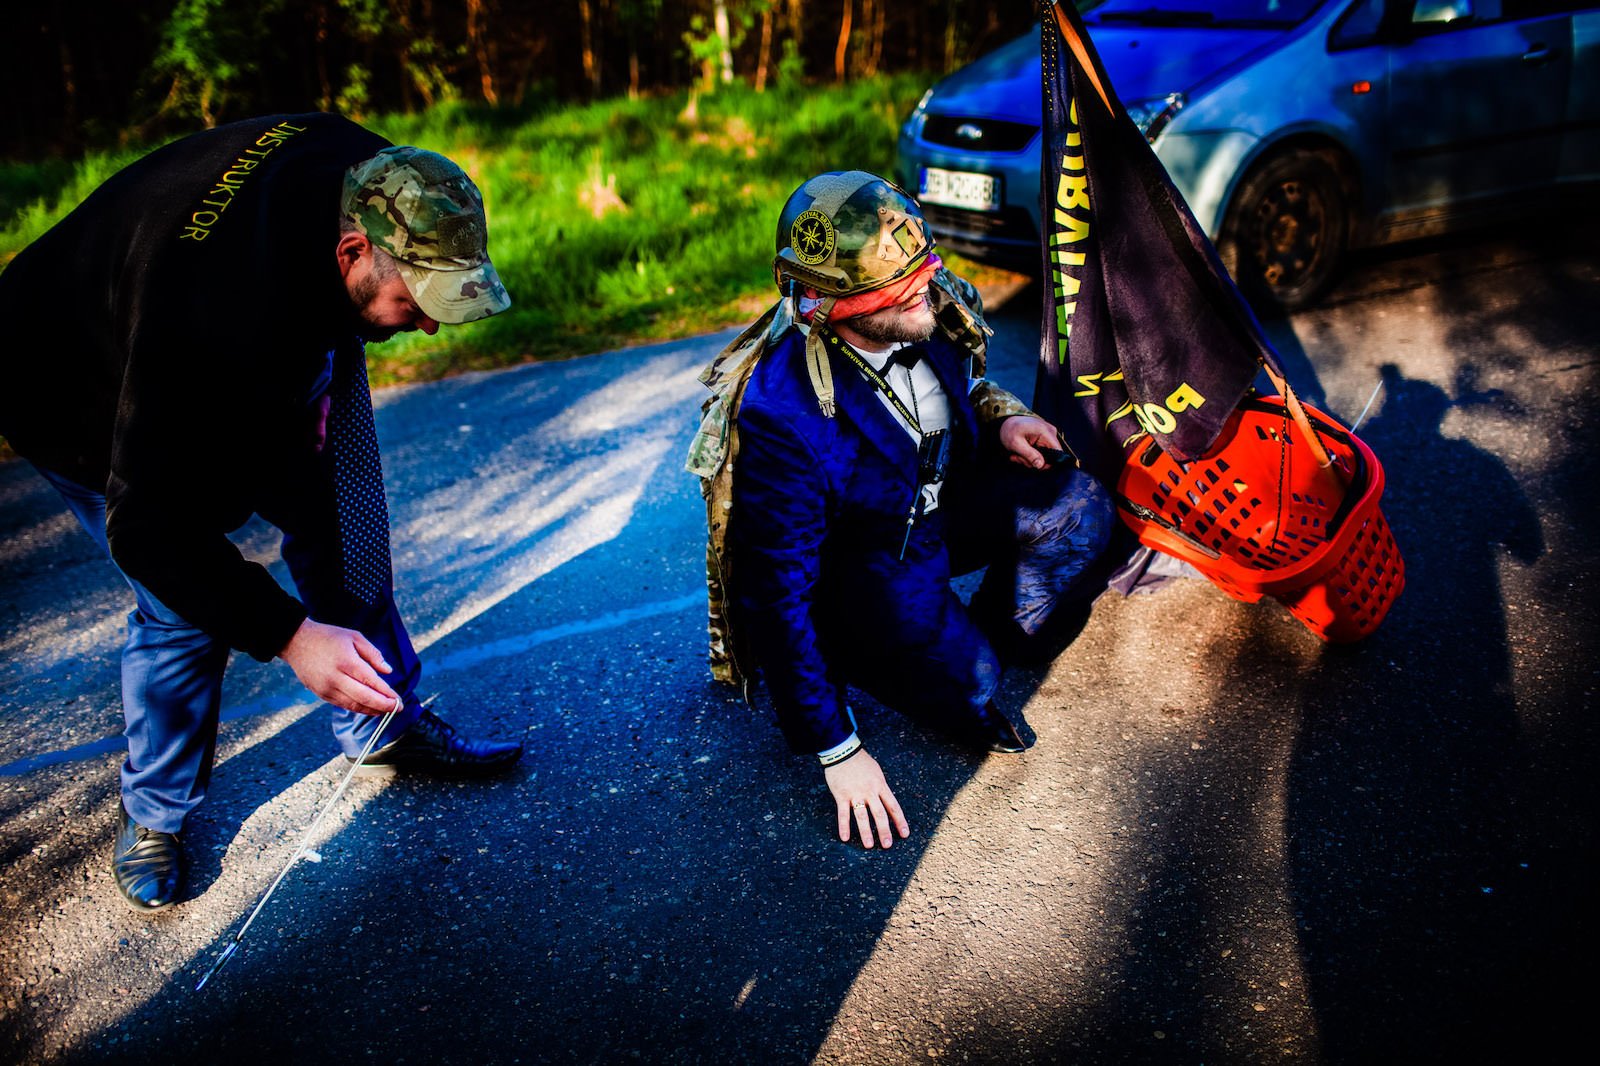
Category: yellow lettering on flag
<point>1071,219</point>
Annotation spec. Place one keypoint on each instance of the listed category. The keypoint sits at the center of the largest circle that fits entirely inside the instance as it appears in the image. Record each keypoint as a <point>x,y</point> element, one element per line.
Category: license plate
<point>959,188</point>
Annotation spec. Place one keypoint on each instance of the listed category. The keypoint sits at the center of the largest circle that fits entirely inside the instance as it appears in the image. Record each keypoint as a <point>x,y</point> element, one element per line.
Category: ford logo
<point>969,131</point>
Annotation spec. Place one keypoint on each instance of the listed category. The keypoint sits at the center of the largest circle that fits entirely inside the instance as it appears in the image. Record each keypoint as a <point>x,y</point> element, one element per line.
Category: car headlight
<point>919,116</point>
<point>1152,116</point>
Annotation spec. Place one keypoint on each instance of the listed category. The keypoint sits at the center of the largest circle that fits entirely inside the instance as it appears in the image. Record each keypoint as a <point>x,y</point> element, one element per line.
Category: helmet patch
<point>812,237</point>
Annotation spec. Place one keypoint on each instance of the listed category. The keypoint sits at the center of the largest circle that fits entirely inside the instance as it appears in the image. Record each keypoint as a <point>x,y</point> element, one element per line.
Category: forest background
<point>633,154</point>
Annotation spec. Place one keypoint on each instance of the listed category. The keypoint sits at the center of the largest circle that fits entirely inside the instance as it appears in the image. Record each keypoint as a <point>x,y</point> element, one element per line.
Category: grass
<point>611,223</point>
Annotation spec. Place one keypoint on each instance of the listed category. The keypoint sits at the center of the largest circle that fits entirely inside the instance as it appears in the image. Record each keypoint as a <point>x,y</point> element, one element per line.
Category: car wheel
<point>1286,230</point>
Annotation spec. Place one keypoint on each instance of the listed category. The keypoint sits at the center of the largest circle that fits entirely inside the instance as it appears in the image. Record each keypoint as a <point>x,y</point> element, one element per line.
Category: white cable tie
<point>1363,416</point>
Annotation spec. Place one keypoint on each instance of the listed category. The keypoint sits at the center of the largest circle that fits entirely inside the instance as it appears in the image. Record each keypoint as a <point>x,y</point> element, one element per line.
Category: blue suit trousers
<point>172,671</point>
<point>1039,534</point>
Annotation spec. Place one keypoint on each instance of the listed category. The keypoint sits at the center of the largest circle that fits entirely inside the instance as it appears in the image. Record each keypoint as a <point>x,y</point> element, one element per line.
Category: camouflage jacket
<point>958,311</point>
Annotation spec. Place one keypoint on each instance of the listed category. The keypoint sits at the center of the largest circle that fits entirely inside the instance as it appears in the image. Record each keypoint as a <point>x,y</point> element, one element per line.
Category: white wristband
<point>840,752</point>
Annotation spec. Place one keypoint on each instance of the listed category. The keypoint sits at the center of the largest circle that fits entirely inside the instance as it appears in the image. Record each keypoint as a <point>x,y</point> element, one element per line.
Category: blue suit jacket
<point>820,508</point>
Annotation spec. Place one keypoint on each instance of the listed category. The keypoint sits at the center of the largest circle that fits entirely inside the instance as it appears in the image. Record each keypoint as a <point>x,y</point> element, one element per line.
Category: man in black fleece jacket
<point>188,351</point>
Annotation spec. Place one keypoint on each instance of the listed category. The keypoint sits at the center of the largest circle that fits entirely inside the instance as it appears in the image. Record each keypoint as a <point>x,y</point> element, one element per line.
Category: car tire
<point>1286,231</point>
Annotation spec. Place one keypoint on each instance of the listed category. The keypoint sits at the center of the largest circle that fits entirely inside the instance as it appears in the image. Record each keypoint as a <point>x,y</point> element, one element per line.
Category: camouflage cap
<point>425,212</point>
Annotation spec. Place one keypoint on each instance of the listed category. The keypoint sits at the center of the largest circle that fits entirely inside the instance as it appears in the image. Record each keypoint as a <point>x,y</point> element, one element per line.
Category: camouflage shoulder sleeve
<point>992,403</point>
<point>959,311</point>
<point>963,290</point>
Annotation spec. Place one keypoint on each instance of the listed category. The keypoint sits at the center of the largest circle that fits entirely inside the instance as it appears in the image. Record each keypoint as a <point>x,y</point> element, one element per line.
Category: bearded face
<point>380,303</point>
<point>910,322</point>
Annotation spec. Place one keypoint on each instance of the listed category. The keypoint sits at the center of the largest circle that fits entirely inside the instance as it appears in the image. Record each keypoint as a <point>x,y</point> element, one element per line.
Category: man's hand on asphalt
<point>340,666</point>
<point>1024,435</point>
<point>859,789</point>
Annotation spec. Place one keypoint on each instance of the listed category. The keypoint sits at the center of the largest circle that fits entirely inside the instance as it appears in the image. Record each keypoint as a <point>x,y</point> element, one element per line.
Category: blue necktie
<point>358,479</point>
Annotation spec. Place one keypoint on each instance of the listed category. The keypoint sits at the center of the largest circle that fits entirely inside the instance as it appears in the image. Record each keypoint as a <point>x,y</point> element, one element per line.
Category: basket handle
<point>1298,412</point>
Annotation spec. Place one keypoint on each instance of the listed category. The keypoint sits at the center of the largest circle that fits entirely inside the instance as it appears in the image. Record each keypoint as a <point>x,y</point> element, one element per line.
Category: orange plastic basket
<point>1259,515</point>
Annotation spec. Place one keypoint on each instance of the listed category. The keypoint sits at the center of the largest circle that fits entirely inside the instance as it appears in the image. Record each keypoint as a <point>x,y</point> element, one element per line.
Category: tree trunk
<point>402,16</point>
<point>949,36</point>
<point>725,35</point>
<point>591,65</point>
<point>878,29</point>
<point>844,40</point>
<point>633,64</point>
<point>766,50</point>
<point>324,84</point>
<point>794,19</point>
<point>69,87</point>
<point>872,12</point>
<point>476,16</point>
<point>425,85</point>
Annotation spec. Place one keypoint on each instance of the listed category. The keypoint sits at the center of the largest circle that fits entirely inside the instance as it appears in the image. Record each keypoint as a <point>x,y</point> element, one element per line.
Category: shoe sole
<point>142,908</point>
<point>370,770</point>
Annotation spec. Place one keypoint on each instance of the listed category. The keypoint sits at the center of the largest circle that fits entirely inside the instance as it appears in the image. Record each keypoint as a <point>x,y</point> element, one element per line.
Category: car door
<point>1478,99</point>
<point>1580,146</point>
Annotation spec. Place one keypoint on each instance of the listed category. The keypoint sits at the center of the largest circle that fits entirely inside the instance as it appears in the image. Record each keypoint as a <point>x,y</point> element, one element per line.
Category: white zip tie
<point>1363,417</point>
<point>303,849</point>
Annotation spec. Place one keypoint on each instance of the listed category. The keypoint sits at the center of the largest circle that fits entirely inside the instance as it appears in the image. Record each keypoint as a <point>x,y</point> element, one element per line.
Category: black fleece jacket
<point>165,339</point>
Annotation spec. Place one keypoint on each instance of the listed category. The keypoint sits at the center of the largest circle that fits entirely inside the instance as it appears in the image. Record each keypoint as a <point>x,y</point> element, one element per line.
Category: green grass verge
<point>611,223</point>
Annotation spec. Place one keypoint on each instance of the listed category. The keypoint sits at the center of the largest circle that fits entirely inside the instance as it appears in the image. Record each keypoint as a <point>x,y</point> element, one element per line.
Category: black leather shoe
<point>1001,736</point>
<point>433,746</point>
<point>147,865</point>
<point>1005,740</point>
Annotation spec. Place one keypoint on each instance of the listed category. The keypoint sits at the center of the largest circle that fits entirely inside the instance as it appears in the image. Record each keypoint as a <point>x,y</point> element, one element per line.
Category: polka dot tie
<point>358,479</point>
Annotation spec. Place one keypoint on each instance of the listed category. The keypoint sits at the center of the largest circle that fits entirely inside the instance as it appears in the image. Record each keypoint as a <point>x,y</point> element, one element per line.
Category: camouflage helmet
<point>848,231</point>
<point>425,212</point>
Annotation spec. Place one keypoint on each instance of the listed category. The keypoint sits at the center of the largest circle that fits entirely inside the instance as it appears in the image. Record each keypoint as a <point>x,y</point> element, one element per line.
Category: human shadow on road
<point>1429,913</point>
<point>1341,866</point>
<point>1420,922</point>
<point>1351,861</point>
<point>1451,810</point>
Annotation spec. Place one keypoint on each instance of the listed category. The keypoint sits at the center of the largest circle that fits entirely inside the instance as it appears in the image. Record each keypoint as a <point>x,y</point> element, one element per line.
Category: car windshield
<point>1264,13</point>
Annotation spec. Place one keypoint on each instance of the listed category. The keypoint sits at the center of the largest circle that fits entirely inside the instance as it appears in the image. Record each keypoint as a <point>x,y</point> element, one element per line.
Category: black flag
<point>1143,331</point>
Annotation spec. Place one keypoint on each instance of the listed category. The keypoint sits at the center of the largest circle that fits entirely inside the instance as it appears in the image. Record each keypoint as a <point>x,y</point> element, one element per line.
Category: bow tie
<point>906,357</point>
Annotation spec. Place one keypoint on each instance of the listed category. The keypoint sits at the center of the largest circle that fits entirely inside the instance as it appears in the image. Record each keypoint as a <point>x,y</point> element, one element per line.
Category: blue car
<point>1295,129</point>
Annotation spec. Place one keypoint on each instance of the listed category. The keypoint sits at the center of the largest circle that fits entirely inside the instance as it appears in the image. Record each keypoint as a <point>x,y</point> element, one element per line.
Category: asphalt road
<point>1232,844</point>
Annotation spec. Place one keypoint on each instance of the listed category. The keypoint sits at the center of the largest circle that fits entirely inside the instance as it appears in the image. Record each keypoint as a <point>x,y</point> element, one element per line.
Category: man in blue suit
<point>873,463</point>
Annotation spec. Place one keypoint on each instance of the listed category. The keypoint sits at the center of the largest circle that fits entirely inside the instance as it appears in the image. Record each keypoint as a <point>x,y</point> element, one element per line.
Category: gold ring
<point>859,806</point>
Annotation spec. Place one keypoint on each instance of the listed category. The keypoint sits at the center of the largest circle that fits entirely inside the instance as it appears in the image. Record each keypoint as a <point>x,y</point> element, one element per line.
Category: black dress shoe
<point>1005,740</point>
<point>1001,736</point>
<point>433,746</point>
<point>147,865</point>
